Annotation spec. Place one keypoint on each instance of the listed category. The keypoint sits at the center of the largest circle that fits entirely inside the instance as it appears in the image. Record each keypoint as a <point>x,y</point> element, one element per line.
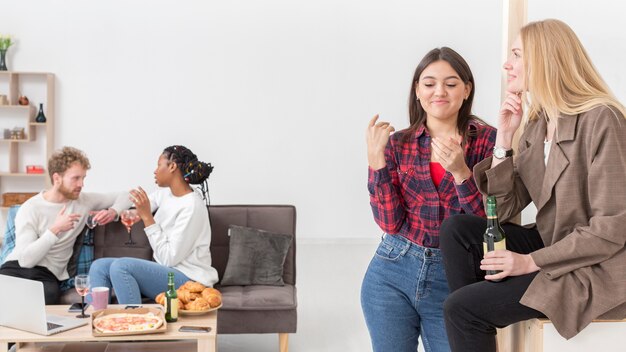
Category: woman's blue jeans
<point>132,277</point>
<point>402,297</point>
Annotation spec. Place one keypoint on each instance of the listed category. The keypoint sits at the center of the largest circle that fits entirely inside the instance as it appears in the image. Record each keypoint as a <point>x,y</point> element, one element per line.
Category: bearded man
<point>47,225</point>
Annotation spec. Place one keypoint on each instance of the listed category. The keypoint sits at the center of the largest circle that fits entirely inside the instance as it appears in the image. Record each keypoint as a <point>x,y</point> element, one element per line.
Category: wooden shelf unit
<point>26,83</point>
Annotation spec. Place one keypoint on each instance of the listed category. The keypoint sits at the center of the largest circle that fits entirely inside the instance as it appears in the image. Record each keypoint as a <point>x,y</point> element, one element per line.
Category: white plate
<point>198,312</point>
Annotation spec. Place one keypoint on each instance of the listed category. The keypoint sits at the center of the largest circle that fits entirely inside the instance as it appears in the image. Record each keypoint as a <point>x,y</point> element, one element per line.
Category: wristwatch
<point>501,153</point>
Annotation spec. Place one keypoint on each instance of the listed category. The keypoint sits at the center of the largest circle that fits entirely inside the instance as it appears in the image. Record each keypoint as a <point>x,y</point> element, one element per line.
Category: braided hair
<point>194,171</point>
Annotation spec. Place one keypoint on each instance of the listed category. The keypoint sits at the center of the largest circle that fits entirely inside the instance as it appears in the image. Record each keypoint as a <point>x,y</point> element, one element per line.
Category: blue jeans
<point>402,297</point>
<point>132,277</point>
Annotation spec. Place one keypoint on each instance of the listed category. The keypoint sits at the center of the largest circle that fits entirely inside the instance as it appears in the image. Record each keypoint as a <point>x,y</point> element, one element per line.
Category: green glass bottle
<point>171,300</point>
<point>494,237</point>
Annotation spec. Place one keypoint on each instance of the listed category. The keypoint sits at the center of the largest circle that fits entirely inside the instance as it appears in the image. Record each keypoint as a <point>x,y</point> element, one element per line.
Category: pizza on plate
<point>124,322</point>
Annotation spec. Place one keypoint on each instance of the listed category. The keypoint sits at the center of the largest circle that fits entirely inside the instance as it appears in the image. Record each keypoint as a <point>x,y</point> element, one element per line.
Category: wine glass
<point>91,223</point>
<point>81,282</point>
<point>129,217</point>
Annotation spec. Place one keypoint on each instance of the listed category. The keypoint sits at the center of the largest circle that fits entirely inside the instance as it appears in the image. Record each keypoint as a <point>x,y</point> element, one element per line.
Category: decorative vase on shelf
<point>5,42</point>
<point>41,118</point>
<point>3,60</point>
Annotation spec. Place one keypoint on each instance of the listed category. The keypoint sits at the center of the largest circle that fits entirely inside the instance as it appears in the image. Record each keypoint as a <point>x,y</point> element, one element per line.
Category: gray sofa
<point>246,309</point>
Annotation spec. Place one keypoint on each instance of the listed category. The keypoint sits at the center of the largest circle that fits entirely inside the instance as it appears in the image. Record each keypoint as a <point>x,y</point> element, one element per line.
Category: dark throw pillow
<point>256,257</point>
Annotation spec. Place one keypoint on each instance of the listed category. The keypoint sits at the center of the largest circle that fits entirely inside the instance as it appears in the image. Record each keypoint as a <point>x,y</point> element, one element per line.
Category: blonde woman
<point>572,165</point>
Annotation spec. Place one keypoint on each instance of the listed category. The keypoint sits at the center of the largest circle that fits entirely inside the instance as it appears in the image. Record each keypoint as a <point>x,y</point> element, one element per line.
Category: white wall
<point>276,94</point>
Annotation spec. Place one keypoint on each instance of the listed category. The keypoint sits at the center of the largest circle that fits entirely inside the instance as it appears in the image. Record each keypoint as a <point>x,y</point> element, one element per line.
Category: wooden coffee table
<point>206,342</point>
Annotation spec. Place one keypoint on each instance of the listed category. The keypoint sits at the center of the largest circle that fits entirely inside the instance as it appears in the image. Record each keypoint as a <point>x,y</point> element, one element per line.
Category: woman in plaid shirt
<point>418,177</point>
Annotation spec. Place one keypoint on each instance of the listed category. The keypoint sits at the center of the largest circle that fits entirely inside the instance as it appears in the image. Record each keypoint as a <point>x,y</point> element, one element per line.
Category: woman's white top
<point>181,234</point>
<point>546,151</point>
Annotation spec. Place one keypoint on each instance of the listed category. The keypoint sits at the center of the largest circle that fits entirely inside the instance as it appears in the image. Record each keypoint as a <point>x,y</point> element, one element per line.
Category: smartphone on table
<point>187,328</point>
<point>77,307</point>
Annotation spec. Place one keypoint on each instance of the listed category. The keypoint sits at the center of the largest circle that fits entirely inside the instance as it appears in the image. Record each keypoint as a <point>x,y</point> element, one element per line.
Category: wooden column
<point>514,17</point>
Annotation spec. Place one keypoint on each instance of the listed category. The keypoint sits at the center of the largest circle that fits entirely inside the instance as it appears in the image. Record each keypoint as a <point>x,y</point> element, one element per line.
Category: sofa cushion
<point>256,257</point>
<point>274,218</point>
<point>257,321</point>
<point>8,242</point>
<point>258,297</point>
<point>81,259</point>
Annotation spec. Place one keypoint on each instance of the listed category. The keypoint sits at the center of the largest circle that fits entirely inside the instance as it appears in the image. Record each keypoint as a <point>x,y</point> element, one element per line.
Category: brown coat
<point>581,215</point>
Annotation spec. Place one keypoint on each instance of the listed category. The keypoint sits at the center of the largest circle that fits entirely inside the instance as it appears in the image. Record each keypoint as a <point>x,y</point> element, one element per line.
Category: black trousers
<point>476,307</point>
<point>51,287</point>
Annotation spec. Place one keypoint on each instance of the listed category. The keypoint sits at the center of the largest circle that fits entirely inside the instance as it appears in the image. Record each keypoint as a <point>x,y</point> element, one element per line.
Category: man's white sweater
<point>36,245</point>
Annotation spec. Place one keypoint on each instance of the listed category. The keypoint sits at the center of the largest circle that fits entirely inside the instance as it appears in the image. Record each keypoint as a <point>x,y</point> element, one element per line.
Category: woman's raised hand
<point>377,137</point>
<point>140,199</point>
<point>510,116</point>
<point>450,155</point>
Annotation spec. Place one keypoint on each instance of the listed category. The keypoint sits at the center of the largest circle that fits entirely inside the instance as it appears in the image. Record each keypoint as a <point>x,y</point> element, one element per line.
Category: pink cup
<point>99,297</point>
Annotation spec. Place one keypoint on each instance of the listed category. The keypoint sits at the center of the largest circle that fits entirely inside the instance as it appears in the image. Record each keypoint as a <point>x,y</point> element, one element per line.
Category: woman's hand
<point>450,155</point>
<point>509,119</point>
<point>510,263</point>
<point>142,204</point>
<point>377,137</point>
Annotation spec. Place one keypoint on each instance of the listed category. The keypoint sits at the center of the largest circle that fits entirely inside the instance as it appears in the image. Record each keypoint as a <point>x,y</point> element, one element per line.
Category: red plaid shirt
<point>403,197</point>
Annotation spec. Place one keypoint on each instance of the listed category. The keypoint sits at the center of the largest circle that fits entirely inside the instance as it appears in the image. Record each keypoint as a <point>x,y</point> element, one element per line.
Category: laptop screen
<point>22,304</point>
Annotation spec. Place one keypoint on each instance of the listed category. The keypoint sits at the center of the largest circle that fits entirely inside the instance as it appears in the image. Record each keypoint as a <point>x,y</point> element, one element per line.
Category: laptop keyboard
<point>53,326</point>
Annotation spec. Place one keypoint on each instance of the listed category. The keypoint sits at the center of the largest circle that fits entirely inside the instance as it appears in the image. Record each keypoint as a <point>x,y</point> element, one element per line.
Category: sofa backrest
<point>274,218</point>
<point>109,240</point>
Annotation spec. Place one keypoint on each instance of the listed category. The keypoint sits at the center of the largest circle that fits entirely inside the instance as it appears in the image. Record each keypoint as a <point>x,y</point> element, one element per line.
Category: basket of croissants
<point>194,297</point>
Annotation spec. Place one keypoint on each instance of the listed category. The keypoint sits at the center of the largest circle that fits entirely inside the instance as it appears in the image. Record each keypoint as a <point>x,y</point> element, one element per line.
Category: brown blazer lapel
<point>557,161</point>
<point>529,164</point>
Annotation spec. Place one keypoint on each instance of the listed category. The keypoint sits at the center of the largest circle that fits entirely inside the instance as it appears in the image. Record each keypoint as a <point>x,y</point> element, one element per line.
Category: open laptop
<point>23,307</point>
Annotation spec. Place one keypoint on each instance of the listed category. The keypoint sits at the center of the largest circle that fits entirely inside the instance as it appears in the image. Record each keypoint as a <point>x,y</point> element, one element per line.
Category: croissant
<point>184,296</point>
<point>214,300</point>
<point>160,298</point>
<point>193,286</point>
<point>199,304</point>
<point>210,291</point>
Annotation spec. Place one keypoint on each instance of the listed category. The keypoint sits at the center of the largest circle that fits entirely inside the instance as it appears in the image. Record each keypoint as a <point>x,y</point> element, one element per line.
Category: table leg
<point>207,345</point>
<point>4,346</point>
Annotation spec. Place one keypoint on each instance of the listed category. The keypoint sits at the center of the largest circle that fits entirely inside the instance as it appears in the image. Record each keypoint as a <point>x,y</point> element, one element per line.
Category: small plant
<point>5,42</point>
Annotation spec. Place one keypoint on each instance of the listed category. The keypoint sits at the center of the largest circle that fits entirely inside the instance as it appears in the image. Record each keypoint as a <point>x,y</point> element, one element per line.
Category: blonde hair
<point>559,74</point>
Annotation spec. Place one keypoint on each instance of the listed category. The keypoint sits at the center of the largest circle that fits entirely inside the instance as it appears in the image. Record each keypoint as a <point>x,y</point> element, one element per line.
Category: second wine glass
<point>81,282</point>
<point>129,217</point>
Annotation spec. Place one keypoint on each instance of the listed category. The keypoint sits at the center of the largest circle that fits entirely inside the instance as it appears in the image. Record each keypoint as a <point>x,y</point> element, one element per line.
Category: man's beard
<point>67,193</point>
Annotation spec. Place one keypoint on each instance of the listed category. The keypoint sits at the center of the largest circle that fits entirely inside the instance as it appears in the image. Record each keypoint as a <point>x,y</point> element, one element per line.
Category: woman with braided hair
<point>179,232</point>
